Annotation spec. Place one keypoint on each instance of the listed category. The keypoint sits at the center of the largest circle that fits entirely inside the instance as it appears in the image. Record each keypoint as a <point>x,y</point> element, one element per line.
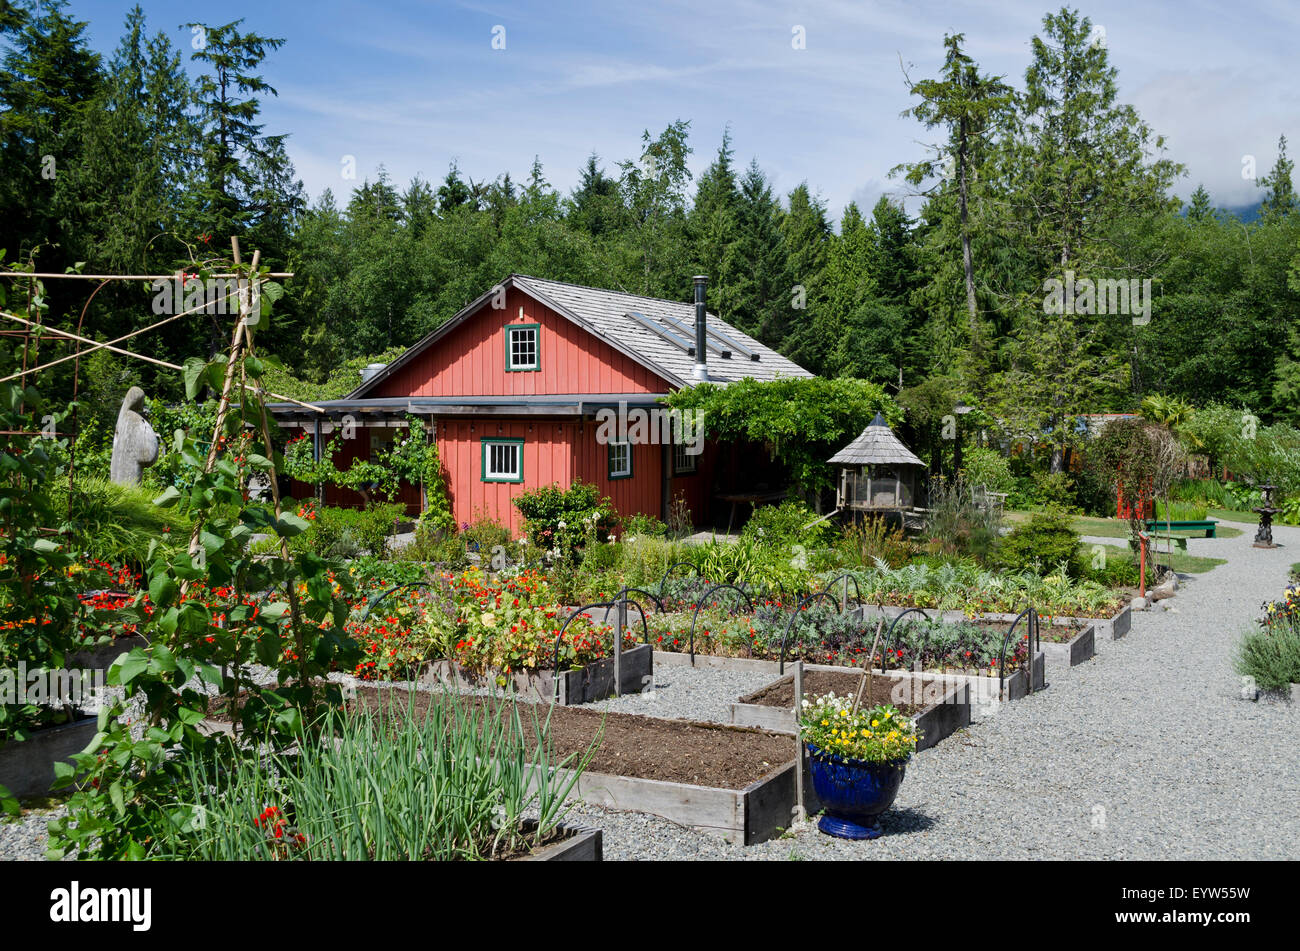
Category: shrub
<point>485,535</point>
<point>644,526</point>
<point>435,544</point>
<point>868,539</point>
<point>1040,545</point>
<point>783,525</point>
<point>1271,656</point>
<point>346,533</point>
<point>564,521</point>
<point>988,468</point>
<point>956,525</point>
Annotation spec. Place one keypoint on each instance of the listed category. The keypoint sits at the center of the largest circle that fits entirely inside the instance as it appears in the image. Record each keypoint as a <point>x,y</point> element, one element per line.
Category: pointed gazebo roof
<point>876,446</point>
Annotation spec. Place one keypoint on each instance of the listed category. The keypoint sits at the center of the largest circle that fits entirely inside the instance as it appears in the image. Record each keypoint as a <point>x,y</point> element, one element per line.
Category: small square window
<point>503,460</point>
<point>523,347</point>
<point>620,460</point>
<point>684,462</point>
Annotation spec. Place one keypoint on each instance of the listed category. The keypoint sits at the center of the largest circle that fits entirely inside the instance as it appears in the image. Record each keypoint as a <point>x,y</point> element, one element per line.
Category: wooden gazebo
<point>877,472</point>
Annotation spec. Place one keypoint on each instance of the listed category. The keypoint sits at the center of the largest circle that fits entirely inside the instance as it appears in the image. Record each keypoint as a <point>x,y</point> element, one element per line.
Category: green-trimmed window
<point>523,346</point>
<point>503,460</point>
<point>620,460</point>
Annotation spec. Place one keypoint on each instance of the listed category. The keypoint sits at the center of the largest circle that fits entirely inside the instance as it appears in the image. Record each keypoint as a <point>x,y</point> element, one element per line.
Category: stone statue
<point>135,444</point>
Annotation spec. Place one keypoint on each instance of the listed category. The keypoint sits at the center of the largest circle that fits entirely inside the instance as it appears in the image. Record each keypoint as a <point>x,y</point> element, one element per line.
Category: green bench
<point>1206,525</point>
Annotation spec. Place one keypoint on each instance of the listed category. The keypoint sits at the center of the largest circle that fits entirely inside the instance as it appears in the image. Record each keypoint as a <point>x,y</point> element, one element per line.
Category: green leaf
<point>290,525</point>
<point>119,802</point>
<point>192,373</point>
<point>161,590</point>
<point>128,666</point>
<point>171,495</point>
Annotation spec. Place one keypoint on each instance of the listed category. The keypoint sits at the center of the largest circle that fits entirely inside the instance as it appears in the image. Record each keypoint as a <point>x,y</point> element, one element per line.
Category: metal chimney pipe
<point>701,333</point>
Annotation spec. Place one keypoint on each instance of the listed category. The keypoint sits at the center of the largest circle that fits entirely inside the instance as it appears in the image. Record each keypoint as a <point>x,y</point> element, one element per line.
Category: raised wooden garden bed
<point>592,682</point>
<point>939,708</point>
<point>580,844</point>
<point>27,768</point>
<point>101,656</point>
<point>1081,645</point>
<point>985,694</point>
<point>737,783</point>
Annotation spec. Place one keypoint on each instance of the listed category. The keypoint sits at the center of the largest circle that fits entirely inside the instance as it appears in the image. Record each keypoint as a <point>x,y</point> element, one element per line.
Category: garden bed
<point>738,783</point>
<point>1081,646</point>
<point>939,708</point>
<point>595,681</point>
<point>101,656</point>
<point>1115,626</point>
<point>986,693</point>
<point>27,768</point>
<point>576,844</point>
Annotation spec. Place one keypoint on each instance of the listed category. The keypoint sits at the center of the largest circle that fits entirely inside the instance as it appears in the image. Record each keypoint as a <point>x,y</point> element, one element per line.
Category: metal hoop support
<point>669,570</point>
<point>815,596</point>
<point>857,592</point>
<point>373,603</point>
<point>884,656</point>
<point>623,598</point>
<point>1032,626</point>
<point>700,604</point>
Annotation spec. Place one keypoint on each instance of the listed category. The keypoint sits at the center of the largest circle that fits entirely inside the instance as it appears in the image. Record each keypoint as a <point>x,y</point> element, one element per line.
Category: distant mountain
<point>1247,213</point>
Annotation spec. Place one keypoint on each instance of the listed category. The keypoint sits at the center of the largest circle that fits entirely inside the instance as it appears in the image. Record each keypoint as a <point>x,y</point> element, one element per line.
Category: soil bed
<point>819,682</point>
<point>678,751</point>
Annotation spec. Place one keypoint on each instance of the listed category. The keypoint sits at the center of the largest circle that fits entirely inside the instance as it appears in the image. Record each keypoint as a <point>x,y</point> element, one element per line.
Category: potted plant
<point>857,758</point>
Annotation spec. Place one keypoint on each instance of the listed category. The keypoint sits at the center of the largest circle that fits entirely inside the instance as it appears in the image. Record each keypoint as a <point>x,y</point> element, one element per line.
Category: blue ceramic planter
<point>855,794</point>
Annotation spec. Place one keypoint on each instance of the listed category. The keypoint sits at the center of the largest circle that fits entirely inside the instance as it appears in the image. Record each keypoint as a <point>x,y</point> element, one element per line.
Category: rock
<point>1138,604</point>
<point>1160,593</point>
<point>135,444</point>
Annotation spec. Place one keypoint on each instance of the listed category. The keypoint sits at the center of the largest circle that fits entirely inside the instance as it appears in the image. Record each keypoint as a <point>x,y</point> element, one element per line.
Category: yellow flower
<point>875,723</point>
<point>826,723</point>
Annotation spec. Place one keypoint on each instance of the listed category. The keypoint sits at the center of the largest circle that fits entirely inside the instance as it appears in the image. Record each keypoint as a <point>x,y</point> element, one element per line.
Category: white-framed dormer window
<point>684,462</point>
<point>620,460</point>
<point>503,460</point>
<point>523,347</point>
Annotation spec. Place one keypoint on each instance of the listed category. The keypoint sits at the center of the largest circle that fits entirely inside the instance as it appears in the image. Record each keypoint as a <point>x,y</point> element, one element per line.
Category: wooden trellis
<point>244,293</point>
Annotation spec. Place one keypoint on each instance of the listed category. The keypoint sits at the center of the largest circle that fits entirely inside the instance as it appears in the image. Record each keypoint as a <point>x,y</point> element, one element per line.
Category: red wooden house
<point>527,386</point>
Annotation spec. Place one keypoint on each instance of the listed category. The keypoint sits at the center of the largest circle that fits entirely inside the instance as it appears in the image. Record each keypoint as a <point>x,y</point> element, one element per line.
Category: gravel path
<point>1145,752</point>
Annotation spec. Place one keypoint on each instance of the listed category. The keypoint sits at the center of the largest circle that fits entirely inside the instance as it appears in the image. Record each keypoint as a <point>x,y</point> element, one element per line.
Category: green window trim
<point>537,343</point>
<point>609,461</point>
<point>486,443</point>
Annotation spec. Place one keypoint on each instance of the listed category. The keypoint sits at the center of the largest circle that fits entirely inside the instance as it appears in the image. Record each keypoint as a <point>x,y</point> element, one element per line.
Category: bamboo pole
<point>100,346</point>
<point>138,356</point>
<point>127,277</point>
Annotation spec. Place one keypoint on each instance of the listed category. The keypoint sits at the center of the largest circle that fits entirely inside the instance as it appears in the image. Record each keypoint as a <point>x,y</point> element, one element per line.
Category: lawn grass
<point>1231,515</point>
<point>1182,562</point>
<point>1118,528</point>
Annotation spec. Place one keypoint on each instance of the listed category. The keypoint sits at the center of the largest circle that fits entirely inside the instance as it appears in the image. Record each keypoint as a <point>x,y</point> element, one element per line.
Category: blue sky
<point>415,85</point>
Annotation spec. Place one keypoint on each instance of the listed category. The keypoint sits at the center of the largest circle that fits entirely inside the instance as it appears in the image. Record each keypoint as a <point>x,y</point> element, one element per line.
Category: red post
<point>1142,564</point>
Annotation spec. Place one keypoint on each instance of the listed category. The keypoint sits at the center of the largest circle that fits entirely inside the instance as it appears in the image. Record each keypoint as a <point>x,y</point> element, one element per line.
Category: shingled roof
<point>877,445</point>
<point>609,316</point>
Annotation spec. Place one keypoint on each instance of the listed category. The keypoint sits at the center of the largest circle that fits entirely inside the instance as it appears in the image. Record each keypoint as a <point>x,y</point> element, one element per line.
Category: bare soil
<point>819,682</point>
<point>678,751</point>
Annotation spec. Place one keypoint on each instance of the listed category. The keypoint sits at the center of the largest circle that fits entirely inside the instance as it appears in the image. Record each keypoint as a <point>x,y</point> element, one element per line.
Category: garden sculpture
<point>135,444</point>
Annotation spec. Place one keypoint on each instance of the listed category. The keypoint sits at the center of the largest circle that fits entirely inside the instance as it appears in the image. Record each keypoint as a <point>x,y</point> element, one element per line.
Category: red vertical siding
<point>470,360</point>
